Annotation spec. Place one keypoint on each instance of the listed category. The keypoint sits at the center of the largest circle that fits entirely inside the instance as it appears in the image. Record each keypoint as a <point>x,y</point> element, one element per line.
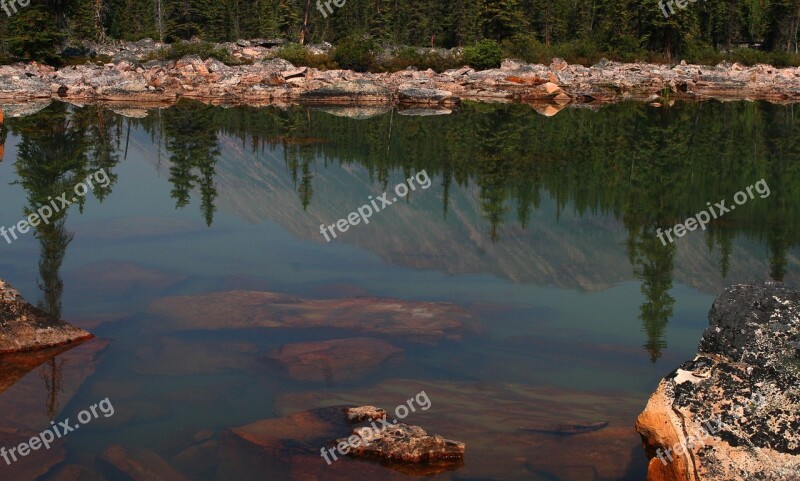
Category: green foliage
<point>299,56</point>
<point>525,47</point>
<point>356,53</point>
<point>33,34</point>
<point>295,53</point>
<point>203,50</point>
<point>427,59</point>
<point>485,55</point>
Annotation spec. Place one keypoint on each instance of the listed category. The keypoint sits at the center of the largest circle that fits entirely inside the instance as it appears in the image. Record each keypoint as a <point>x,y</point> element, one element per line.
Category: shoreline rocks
<point>750,350</point>
<point>130,79</point>
<point>24,327</point>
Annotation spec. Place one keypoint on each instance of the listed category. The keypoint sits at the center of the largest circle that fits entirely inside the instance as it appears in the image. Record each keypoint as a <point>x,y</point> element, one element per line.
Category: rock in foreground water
<point>24,327</point>
<point>401,443</point>
<point>299,437</point>
<point>733,412</point>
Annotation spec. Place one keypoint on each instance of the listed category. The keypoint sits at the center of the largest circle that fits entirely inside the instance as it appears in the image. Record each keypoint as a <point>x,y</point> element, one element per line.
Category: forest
<point>745,30</point>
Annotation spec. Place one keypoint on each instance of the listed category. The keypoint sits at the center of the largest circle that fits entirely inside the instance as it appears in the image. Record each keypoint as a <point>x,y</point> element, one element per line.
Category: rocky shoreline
<point>262,80</point>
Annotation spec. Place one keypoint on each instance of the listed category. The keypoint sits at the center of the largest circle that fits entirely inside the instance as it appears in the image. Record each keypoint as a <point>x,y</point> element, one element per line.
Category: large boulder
<point>355,91</point>
<point>733,412</point>
<point>24,327</point>
<point>425,96</point>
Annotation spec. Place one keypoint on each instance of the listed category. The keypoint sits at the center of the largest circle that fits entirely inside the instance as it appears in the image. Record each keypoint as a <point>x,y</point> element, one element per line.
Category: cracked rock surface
<point>733,412</point>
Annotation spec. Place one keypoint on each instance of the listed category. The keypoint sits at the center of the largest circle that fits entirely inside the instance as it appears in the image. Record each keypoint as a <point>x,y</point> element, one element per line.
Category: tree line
<point>614,27</point>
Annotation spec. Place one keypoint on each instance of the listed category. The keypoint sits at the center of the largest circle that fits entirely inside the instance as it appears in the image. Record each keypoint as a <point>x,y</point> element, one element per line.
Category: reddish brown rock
<point>28,402</point>
<point>24,327</point>
<point>423,322</point>
<point>175,357</point>
<point>336,361</point>
<point>139,465</point>
<point>15,366</point>
<point>297,438</point>
<point>74,472</point>
<point>487,417</point>
<point>51,387</point>
<point>35,464</point>
<point>404,444</point>
<point>70,367</point>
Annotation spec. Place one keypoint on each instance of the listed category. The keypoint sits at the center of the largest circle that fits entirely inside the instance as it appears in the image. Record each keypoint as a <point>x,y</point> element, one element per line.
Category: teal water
<point>542,228</point>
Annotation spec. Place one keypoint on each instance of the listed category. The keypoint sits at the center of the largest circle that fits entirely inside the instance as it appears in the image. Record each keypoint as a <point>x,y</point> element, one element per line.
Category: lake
<point>201,268</point>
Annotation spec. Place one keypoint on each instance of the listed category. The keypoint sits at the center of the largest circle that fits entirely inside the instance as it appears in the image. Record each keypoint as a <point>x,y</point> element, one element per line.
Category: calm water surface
<point>541,228</point>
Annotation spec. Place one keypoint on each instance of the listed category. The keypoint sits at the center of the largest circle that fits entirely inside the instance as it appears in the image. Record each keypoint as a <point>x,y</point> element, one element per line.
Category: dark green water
<point>543,228</point>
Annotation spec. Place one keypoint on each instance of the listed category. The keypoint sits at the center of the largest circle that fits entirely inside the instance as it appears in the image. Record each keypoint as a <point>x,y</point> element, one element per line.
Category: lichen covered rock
<point>733,412</point>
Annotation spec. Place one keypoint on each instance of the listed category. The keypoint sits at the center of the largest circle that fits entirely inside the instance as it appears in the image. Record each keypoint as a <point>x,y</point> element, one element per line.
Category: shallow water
<point>543,230</point>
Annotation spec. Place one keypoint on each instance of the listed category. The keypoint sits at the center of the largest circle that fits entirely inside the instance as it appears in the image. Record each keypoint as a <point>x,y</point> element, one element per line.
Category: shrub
<point>701,53</point>
<point>204,50</point>
<point>404,57</point>
<point>295,53</point>
<point>299,56</point>
<point>412,57</point>
<point>485,55</point>
<point>355,53</point>
<point>526,48</point>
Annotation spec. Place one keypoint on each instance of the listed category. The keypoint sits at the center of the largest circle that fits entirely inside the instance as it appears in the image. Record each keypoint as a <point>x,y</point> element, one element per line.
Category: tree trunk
<point>98,21</point>
<point>160,21</point>
<point>305,23</point>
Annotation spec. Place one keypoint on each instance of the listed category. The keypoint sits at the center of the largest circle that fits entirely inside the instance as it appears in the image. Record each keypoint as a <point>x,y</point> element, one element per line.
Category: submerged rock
<point>566,429</point>
<point>399,443</point>
<point>421,322</point>
<point>137,464</point>
<point>22,392</point>
<point>486,417</point>
<point>336,361</point>
<point>24,327</point>
<point>733,412</point>
<point>300,436</point>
